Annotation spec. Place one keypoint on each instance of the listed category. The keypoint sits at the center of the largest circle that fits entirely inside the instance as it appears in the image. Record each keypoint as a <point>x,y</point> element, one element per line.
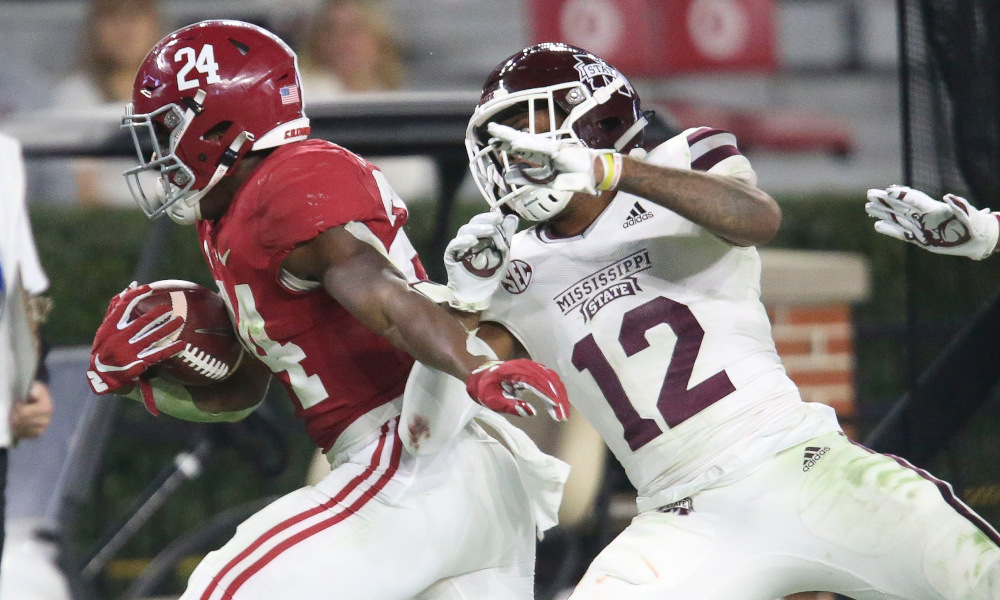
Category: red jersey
<point>334,368</point>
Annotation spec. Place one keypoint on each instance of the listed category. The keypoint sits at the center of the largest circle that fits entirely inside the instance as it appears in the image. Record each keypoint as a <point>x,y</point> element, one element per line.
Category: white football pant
<point>826,515</point>
<point>386,525</point>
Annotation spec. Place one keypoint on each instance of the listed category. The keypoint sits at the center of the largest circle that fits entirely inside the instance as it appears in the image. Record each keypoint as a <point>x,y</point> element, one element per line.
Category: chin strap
<point>189,210</point>
<point>632,131</point>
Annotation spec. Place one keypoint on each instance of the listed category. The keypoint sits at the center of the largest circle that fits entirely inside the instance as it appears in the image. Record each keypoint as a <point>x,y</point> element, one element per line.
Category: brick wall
<point>808,296</point>
<point>816,346</point>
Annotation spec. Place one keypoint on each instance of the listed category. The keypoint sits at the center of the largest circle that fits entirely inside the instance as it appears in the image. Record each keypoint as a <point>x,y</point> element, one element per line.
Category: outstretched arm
<point>365,283</point>
<point>734,211</point>
<point>355,271</point>
<point>731,209</point>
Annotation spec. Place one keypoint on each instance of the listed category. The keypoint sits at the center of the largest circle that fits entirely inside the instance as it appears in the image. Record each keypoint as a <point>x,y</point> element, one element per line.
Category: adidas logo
<point>812,456</point>
<point>638,214</point>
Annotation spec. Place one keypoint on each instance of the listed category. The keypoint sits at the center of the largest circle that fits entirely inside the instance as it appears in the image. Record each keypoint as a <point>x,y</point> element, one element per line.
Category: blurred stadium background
<point>827,98</point>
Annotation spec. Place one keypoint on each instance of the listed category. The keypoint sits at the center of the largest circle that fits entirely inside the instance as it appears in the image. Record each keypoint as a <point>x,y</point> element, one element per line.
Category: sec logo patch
<point>517,278</point>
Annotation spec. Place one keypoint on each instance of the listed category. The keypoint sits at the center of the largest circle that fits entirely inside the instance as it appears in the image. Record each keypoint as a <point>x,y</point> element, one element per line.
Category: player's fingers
<point>912,227</point>
<point>461,244</point>
<point>479,230</point>
<point>526,391</point>
<point>163,332</point>
<point>893,230</point>
<point>902,207</point>
<point>148,323</point>
<point>875,193</point>
<point>509,225</point>
<point>959,206</point>
<point>878,210</point>
<point>155,353</point>
<point>896,189</point>
<point>491,219</point>
<point>120,301</point>
<point>502,131</point>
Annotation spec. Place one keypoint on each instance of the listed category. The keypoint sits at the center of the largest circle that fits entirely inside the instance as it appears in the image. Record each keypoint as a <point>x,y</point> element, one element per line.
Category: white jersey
<point>657,329</point>
<point>19,269</point>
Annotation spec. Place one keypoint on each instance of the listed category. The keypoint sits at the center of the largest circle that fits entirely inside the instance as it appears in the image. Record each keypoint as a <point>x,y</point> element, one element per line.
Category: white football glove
<point>952,227</point>
<point>477,258</point>
<point>561,165</point>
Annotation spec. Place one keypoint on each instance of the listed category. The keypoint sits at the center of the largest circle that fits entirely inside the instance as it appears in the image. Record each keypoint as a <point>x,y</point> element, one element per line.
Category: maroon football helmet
<point>204,96</point>
<point>588,102</point>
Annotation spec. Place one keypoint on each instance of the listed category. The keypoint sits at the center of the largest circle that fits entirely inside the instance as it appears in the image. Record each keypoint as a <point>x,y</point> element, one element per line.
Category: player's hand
<point>508,386</point>
<point>562,165</point>
<point>124,348</point>
<point>477,258</point>
<point>30,417</point>
<point>951,227</point>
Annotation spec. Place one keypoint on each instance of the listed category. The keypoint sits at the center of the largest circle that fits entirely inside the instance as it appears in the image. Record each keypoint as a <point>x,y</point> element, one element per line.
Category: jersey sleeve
<point>704,149</point>
<point>715,151</point>
<point>302,198</point>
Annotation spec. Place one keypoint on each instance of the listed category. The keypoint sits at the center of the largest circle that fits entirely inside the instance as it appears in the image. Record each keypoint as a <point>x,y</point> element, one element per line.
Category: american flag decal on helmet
<point>289,94</point>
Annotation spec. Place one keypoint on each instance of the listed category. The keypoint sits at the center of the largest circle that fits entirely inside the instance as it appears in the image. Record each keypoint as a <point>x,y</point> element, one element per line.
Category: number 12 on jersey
<point>676,402</point>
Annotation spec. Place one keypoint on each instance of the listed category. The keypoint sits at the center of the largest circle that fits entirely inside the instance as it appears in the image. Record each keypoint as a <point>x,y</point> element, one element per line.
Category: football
<point>212,351</point>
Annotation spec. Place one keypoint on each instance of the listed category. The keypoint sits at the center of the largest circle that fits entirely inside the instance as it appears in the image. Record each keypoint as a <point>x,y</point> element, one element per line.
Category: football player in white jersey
<point>638,281</point>
<point>951,226</point>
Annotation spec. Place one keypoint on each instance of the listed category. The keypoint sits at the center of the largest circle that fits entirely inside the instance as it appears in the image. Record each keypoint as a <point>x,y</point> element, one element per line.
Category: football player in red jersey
<point>639,281</point>
<point>305,242</point>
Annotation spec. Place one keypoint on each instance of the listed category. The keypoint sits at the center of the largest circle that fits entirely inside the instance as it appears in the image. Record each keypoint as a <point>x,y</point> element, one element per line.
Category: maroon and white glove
<point>123,349</point>
<point>506,386</point>
<point>950,227</point>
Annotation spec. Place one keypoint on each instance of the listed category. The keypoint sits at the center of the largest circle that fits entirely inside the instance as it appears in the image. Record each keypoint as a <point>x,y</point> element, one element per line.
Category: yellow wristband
<point>612,162</point>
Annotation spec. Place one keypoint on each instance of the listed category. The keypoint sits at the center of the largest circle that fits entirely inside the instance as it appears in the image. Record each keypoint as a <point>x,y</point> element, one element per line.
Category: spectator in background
<point>22,282</point>
<point>350,47</point>
<point>116,37</point>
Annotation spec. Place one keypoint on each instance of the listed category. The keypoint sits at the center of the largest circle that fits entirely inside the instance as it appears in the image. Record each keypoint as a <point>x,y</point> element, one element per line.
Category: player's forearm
<point>429,333</point>
<point>372,290</point>
<point>737,212</point>
<point>242,390</point>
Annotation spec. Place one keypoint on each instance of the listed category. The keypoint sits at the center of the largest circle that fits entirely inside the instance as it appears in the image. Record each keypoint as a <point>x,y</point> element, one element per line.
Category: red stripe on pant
<point>230,591</point>
<point>277,529</point>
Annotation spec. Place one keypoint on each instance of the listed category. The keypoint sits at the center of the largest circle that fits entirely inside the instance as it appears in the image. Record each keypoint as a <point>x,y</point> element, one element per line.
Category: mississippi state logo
<point>517,278</point>
<point>600,288</point>
<point>597,74</point>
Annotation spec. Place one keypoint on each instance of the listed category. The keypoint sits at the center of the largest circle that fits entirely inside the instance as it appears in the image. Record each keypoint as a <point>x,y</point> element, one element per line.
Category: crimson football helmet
<point>588,102</point>
<point>204,96</point>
